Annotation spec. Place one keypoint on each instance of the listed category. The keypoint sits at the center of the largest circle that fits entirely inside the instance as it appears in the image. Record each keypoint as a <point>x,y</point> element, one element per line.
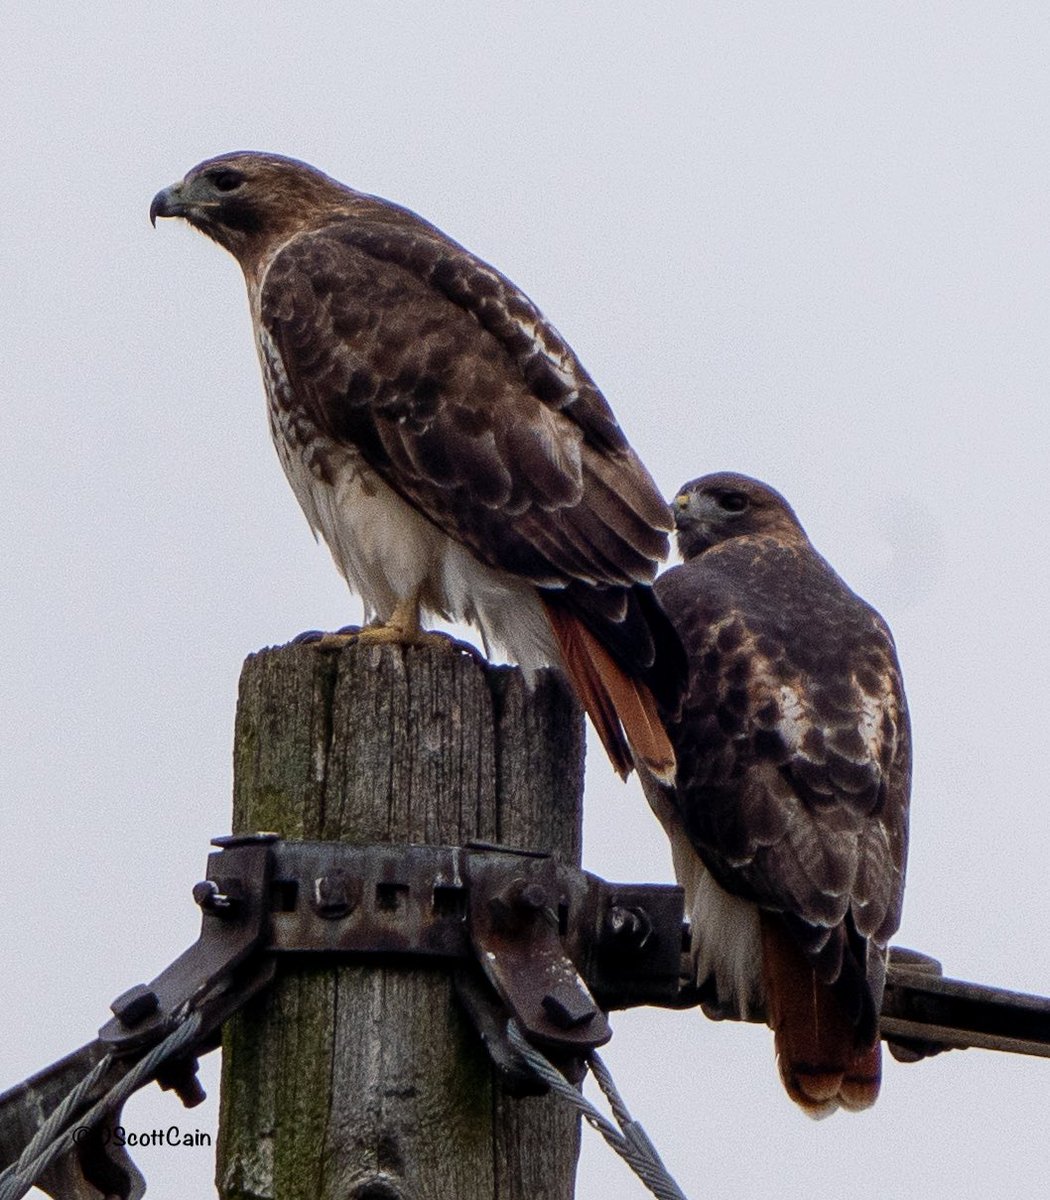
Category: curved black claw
<point>307,637</point>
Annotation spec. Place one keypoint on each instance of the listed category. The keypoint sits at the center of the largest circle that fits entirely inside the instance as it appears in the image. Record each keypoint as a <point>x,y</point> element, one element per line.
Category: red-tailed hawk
<point>788,817</point>
<point>444,440</point>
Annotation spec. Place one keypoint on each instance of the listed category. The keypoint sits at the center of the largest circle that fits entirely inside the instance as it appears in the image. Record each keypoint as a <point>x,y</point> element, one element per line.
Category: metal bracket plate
<point>518,918</point>
<point>558,948</point>
<point>624,940</point>
<point>924,1013</point>
<point>235,902</point>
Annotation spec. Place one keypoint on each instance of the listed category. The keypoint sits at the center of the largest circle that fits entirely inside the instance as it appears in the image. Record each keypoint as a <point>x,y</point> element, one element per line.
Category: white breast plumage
<point>387,550</point>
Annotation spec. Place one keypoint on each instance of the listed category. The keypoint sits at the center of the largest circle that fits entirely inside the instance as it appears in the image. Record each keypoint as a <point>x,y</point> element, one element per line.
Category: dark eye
<point>733,502</point>
<point>226,180</point>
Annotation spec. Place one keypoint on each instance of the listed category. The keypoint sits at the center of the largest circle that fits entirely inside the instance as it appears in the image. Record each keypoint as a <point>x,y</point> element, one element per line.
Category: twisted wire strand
<point>56,1121</point>
<point>630,1140</point>
<point>53,1139</point>
<point>632,1129</point>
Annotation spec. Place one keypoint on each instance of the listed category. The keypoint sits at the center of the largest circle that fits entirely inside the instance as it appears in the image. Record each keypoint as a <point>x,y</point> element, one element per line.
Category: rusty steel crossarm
<point>558,949</point>
<point>444,902</point>
<point>560,965</point>
<point>220,971</point>
<point>558,946</point>
<point>214,976</point>
<point>92,1170</point>
<point>924,1012</point>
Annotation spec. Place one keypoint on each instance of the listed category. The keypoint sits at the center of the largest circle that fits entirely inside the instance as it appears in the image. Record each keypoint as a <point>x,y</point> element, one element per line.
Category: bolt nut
<point>180,1077</point>
<point>212,899</point>
<point>628,928</point>
<point>135,1005</point>
<point>569,1010</point>
<point>519,901</point>
<point>336,895</point>
<point>532,897</point>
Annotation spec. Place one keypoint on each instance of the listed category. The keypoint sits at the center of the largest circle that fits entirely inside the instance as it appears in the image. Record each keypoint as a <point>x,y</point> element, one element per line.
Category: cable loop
<point>630,1140</point>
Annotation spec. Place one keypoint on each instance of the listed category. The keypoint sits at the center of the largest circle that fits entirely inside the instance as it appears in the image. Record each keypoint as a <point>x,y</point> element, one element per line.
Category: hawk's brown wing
<point>469,405</point>
<point>448,381</point>
<point>793,748</point>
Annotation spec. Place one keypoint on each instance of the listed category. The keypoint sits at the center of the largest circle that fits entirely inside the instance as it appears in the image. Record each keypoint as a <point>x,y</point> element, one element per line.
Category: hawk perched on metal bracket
<point>788,818</point>
<point>444,440</point>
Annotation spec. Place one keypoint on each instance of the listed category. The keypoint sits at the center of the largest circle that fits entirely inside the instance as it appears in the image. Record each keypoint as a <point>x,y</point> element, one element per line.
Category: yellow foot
<point>384,635</point>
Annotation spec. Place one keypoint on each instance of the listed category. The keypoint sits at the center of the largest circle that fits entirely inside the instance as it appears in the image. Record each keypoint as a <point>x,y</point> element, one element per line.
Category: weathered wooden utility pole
<point>366,1082</point>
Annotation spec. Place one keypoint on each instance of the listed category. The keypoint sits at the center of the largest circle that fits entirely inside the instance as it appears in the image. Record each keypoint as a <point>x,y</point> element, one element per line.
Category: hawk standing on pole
<point>788,817</point>
<point>444,440</point>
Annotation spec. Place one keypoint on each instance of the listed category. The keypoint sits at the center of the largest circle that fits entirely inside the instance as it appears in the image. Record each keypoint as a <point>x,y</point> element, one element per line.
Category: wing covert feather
<point>429,363</point>
<point>793,740</point>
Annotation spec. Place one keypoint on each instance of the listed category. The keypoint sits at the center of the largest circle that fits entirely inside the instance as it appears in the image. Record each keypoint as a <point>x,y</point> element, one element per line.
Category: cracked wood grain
<point>363,1082</point>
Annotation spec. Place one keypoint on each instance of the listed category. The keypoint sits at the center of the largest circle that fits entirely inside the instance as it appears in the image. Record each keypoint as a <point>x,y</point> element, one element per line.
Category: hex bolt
<point>335,895</point>
<point>180,1077</point>
<point>629,928</point>
<point>190,1092</point>
<point>212,899</point>
<point>135,1005</point>
<point>519,899</point>
<point>569,1010</point>
<point>532,897</point>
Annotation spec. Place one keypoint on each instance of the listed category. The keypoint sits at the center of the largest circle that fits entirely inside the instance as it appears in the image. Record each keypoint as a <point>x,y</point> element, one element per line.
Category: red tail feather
<point>622,709</point>
<point>821,1064</point>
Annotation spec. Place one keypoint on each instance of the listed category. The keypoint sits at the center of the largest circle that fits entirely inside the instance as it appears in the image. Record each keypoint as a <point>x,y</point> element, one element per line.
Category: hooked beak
<point>680,508</point>
<point>167,203</point>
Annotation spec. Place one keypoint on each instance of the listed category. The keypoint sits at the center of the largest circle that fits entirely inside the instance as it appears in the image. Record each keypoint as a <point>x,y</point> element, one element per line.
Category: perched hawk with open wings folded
<point>788,817</point>
<point>444,440</point>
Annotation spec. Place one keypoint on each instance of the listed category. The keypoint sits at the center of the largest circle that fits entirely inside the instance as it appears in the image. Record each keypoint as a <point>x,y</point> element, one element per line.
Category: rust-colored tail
<point>623,709</point>
<point>821,1063</point>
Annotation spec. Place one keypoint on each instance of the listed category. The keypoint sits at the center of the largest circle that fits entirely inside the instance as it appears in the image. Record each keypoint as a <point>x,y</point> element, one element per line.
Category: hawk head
<point>248,201</point>
<point>714,508</point>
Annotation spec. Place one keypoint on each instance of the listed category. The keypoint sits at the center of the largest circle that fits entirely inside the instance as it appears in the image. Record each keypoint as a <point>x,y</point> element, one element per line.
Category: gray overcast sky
<point>803,240</point>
